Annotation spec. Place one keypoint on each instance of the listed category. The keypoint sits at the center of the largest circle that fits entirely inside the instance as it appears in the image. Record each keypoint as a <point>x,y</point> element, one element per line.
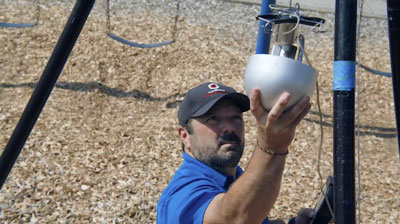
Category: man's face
<point>217,137</point>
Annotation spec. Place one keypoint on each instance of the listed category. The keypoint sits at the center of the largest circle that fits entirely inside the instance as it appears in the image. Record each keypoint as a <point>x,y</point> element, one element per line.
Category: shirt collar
<point>221,179</point>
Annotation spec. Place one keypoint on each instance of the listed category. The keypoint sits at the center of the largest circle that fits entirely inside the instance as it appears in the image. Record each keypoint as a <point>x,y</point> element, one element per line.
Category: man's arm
<point>251,197</point>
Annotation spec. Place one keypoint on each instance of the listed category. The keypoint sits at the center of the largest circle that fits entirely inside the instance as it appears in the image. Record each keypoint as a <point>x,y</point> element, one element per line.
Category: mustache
<point>229,137</point>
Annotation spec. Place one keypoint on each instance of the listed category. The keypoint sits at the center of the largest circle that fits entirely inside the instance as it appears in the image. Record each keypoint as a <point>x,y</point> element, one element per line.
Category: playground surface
<point>106,143</point>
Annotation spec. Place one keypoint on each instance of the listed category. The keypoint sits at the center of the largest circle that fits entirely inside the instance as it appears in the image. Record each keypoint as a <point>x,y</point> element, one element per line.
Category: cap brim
<point>241,100</point>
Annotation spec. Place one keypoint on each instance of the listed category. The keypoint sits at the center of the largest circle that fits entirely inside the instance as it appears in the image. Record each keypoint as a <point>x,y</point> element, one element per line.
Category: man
<point>209,187</point>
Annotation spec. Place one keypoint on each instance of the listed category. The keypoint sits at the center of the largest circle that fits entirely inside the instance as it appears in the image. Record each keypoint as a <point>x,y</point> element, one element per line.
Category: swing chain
<point>37,2</point>
<point>108,16</point>
<point>175,28</point>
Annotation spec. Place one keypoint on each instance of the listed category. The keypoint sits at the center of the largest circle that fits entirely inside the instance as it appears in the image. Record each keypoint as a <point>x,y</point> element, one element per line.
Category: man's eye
<point>238,117</point>
<point>212,118</point>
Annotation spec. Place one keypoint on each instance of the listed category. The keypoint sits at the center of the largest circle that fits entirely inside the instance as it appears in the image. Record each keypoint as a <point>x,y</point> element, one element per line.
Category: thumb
<point>304,216</point>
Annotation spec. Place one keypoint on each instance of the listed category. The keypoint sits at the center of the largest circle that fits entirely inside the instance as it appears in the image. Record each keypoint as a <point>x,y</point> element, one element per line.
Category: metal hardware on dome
<point>284,23</point>
<point>281,71</point>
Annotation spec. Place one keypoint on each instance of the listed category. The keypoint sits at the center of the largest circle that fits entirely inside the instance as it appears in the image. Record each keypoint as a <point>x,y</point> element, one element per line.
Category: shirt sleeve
<point>188,202</point>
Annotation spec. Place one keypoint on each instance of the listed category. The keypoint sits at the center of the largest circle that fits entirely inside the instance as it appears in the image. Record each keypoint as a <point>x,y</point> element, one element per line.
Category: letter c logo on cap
<point>213,86</point>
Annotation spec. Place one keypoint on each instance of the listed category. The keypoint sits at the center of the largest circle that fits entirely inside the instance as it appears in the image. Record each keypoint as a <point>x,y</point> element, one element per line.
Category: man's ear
<point>184,135</point>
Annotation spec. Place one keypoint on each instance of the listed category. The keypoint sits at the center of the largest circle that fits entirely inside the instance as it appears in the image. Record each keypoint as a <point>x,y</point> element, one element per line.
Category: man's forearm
<point>252,196</point>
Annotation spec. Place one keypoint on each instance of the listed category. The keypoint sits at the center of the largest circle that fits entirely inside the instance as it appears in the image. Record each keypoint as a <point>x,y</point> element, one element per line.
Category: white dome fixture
<point>281,71</point>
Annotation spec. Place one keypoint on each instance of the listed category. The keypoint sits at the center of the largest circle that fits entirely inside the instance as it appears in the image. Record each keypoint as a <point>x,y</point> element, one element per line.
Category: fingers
<point>278,108</point>
<point>304,216</point>
<point>301,116</point>
<point>292,116</point>
<point>255,105</point>
<point>306,212</point>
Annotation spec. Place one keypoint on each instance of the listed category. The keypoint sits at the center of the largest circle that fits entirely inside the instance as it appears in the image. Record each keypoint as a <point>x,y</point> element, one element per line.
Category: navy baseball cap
<point>202,98</point>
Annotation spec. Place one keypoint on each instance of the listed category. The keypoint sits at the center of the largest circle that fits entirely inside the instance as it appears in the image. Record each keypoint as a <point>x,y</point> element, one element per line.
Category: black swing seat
<point>133,44</point>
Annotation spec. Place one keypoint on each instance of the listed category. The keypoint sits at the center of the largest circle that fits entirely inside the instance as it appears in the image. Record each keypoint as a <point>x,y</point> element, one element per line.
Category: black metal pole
<point>393,14</point>
<point>46,84</point>
<point>343,103</point>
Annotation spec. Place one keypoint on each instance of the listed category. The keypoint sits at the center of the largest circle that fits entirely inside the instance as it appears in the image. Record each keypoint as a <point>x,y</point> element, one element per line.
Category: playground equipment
<point>24,25</point>
<point>393,12</point>
<point>141,45</point>
<point>46,84</point>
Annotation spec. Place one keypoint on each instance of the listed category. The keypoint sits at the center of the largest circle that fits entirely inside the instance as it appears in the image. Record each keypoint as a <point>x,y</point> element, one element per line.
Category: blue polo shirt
<point>190,191</point>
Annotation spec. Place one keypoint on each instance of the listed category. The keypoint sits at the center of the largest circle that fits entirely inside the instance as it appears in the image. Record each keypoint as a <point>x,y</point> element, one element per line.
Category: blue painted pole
<point>263,38</point>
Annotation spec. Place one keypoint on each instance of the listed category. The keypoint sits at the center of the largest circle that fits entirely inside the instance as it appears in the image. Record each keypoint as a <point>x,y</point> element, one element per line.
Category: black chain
<point>175,28</point>
<point>108,16</point>
<point>37,4</point>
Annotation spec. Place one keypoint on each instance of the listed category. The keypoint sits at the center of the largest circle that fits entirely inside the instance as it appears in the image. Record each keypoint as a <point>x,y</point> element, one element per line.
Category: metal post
<point>343,98</point>
<point>263,39</point>
<point>393,14</point>
<point>46,84</point>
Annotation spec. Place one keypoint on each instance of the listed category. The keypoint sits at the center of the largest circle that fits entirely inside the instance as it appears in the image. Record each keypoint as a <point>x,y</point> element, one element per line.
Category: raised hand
<point>276,128</point>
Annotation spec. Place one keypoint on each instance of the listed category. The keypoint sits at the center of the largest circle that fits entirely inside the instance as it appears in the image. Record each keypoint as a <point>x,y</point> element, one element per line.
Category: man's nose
<point>228,126</point>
